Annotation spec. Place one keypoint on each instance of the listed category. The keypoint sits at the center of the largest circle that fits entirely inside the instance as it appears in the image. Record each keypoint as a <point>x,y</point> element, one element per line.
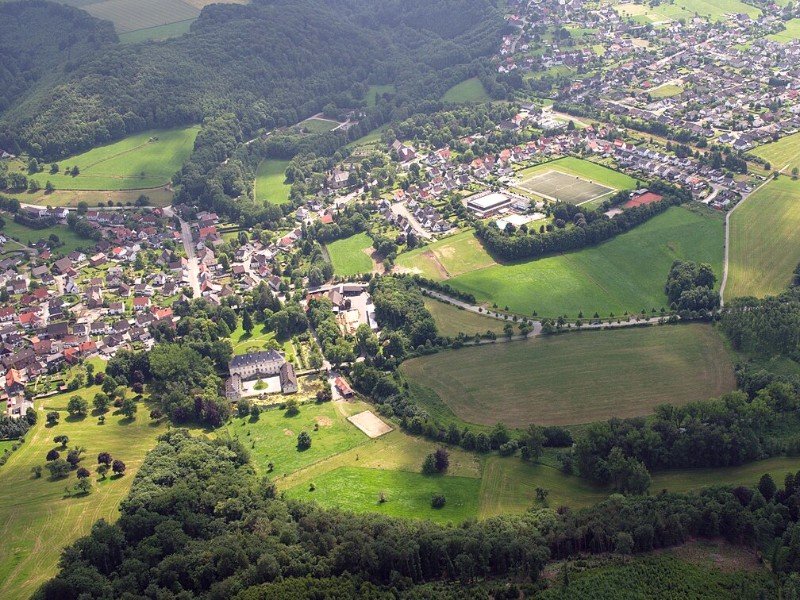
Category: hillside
<point>273,63</point>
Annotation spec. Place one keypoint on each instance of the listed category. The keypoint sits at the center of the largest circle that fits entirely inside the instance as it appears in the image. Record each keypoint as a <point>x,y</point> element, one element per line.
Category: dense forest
<point>269,63</point>
<point>199,523</point>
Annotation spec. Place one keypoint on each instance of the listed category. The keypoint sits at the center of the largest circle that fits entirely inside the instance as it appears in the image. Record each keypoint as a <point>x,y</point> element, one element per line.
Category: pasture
<point>790,34</point>
<point>626,273</point>
<point>406,494</point>
<point>765,241</point>
<point>714,10</point>
<point>272,438</point>
<point>450,321</point>
<point>160,196</point>
<point>351,256</point>
<point>554,185</point>
<point>159,32</point>
<point>668,90</point>
<point>144,160</point>
<point>783,155</point>
<point>578,377</point>
<point>448,257</point>
<point>271,185</point>
<point>37,521</point>
<point>470,90</point>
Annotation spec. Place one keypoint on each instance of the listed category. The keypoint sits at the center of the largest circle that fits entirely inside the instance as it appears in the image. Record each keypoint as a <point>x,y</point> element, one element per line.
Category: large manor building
<point>256,365</point>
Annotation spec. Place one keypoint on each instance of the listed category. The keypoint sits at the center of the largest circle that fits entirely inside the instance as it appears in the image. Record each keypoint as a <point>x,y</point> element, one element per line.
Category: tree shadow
<point>125,421</point>
<point>116,476</point>
<point>74,418</point>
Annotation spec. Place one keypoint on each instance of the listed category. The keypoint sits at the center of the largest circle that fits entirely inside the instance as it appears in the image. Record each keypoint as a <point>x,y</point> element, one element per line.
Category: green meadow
<point>450,320</point>
<point>626,273</point>
<point>350,256</point>
<point>783,155</point>
<point>271,183</point>
<point>471,90</point>
<point>70,240</point>
<point>144,160</point>
<point>765,241</point>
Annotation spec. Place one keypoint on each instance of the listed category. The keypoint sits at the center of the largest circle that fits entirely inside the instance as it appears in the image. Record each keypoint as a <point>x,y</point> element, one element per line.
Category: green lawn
<point>271,183</point>
<point>159,32</point>
<point>578,377</point>
<point>583,168</point>
<point>448,257</point>
<point>144,160</point>
<point>372,137</point>
<point>715,10</point>
<point>261,338</point>
<point>471,90</point>
<point>765,241</point>
<point>666,91</point>
<point>688,480</point>
<point>783,154</point>
<point>350,256</point>
<point>315,125</point>
<point>275,436</point>
<point>450,321</point>
<point>71,241</point>
<point>407,494</point>
<point>626,273</point>
<point>378,90</point>
<point>791,33</point>
<point>36,519</point>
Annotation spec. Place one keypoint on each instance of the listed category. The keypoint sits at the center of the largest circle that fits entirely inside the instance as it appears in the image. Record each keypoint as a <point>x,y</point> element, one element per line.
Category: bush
<point>438,501</point>
<point>303,441</point>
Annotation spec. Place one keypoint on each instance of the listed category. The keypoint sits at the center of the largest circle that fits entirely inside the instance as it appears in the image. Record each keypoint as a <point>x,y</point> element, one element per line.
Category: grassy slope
<point>120,165</point>
<point>583,168</point>
<point>765,241</point>
<point>626,273</point>
<point>471,90</point>
<point>160,196</point>
<point>686,480</point>
<point>270,182</point>
<point>349,256</point>
<point>37,521</point>
<point>783,154</point>
<point>377,90</point>
<point>578,377</point>
<point>159,32</point>
<point>451,256</point>
<point>450,321</point>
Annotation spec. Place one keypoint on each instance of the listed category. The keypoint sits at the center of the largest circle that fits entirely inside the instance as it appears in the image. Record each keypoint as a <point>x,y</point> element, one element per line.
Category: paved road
<point>192,269</point>
<point>401,209</point>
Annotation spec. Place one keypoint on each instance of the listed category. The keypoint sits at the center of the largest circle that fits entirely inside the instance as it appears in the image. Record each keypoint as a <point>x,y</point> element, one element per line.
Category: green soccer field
<point>578,377</point>
<point>765,241</point>
<point>144,160</point>
<point>626,273</point>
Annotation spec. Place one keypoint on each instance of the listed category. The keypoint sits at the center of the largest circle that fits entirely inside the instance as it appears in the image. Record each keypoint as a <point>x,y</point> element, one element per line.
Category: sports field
<point>448,257</point>
<point>351,256</point>
<point>783,155</point>
<point>450,321</point>
<point>765,241</point>
<point>471,90</point>
<point>554,185</point>
<point>626,273</point>
<point>790,34</point>
<point>37,520</point>
<point>578,377</point>
<point>271,183</point>
<point>585,182</point>
<point>144,160</point>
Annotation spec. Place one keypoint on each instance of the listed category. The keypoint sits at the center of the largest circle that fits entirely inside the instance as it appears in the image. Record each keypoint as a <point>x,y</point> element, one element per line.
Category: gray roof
<point>254,358</point>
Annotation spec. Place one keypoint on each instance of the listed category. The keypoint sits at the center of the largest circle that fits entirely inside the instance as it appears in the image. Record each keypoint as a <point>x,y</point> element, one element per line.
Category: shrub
<point>303,441</point>
<point>438,501</point>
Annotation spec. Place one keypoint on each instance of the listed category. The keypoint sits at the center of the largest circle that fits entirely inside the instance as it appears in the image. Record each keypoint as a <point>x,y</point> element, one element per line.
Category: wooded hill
<point>271,63</point>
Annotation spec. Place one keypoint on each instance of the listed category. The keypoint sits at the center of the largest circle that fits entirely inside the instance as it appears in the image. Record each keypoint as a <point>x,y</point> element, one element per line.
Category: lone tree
<point>77,406</point>
<point>438,501</point>
<point>429,465</point>
<point>247,321</point>
<point>58,468</point>
<point>441,459</point>
<point>102,470</point>
<point>83,473</point>
<point>118,467</point>
<point>128,408</point>
<point>101,402</point>
<point>292,408</point>
<point>303,441</point>
<point>61,439</point>
<point>52,418</point>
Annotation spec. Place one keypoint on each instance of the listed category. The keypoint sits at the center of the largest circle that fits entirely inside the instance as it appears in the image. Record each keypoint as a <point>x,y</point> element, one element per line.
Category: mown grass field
<point>791,33</point>
<point>273,437</point>
<point>315,125</point>
<point>470,90</point>
<point>271,183</point>
<point>715,10</point>
<point>25,235</point>
<point>582,168</point>
<point>36,519</point>
<point>351,256</point>
<point>160,196</point>
<point>407,494</point>
<point>259,339</point>
<point>666,91</point>
<point>783,154</point>
<point>450,320</point>
<point>144,160</point>
<point>578,377</point>
<point>448,257</point>
<point>378,90</point>
<point>765,241</point>
<point>626,273</point>
<point>687,480</point>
